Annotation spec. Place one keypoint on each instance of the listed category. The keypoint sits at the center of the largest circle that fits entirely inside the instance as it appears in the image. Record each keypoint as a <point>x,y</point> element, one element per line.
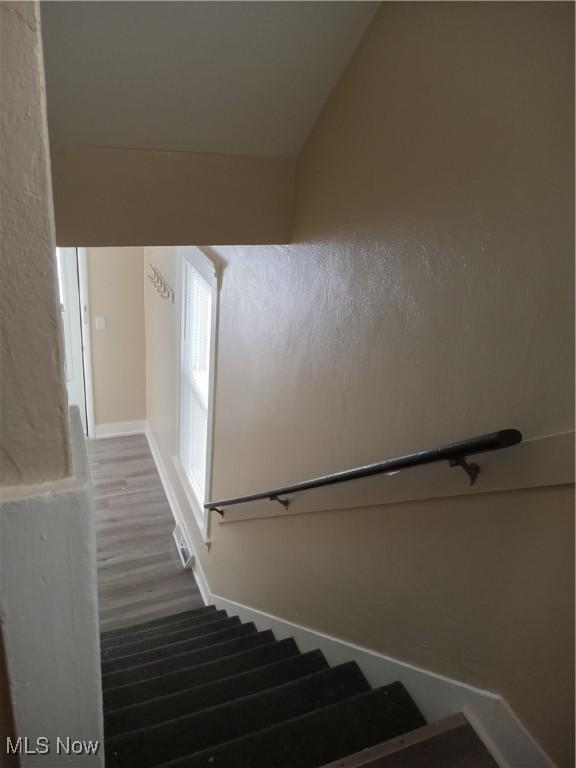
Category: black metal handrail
<point>455,453</point>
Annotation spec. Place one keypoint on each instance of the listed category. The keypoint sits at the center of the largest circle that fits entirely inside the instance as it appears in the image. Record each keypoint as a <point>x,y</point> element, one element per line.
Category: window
<point>198,298</point>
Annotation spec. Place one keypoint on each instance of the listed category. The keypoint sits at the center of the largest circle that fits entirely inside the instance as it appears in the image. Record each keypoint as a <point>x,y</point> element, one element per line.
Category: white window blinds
<point>195,376</point>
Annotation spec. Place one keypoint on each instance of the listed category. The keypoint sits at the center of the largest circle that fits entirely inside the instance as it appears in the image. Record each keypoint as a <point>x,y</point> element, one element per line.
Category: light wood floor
<point>140,576</point>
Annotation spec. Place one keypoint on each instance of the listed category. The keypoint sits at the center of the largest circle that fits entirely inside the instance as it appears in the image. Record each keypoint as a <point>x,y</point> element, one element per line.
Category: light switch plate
<point>100,322</point>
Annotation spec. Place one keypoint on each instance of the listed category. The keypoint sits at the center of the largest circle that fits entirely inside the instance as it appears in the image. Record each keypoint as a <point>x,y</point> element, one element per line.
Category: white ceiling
<point>245,78</point>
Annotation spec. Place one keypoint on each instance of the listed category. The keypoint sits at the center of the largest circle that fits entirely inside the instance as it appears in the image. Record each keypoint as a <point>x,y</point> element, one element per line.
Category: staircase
<point>203,689</point>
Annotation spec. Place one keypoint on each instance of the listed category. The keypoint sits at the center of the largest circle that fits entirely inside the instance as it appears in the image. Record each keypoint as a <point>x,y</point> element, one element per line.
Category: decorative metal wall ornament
<point>162,286</point>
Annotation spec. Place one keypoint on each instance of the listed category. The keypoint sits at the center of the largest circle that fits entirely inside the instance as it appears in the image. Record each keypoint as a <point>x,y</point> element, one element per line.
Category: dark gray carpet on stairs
<point>204,689</point>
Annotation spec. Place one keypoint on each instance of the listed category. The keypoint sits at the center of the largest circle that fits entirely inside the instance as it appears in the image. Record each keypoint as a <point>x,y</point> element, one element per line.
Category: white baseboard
<point>202,584</point>
<point>169,491</point>
<point>504,735</point>
<point>119,429</point>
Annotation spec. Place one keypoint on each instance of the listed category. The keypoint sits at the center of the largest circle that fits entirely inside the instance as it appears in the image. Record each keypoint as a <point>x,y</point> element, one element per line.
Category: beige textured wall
<point>452,219</point>
<point>115,279</point>
<point>33,401</point>
<point>106,196</point>
<point>427,297</point>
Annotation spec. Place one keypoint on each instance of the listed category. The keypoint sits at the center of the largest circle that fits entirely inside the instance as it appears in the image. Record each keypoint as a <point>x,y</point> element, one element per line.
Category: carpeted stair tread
<point>164,621</point>
<point>147,747</point>
<point>318,737</point>
<point>211,637</point>
<point>192,700</point>
<point>152,633</point>
<point>184,660</point>
<point>262,654</point>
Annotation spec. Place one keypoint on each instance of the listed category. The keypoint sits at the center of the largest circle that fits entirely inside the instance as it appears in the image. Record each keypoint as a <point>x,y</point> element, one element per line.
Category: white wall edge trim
<point>84,290</point>
<point>437,696</point>
<point>119,429</point>
<point>48,537</point>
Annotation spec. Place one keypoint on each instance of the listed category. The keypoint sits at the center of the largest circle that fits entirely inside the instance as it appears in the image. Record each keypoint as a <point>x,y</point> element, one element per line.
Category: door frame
<point>83,285</point>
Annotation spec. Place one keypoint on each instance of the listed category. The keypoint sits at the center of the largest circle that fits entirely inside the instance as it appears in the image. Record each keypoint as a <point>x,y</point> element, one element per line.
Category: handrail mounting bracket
<point>471,469</point>
<point>285,502</point>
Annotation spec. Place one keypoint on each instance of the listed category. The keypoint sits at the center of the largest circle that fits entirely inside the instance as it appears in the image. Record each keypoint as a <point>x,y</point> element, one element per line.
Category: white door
<point>67,261</point>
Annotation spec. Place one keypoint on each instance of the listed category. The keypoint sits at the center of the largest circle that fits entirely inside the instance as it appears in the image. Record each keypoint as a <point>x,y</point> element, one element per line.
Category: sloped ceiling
<point>240,78</point>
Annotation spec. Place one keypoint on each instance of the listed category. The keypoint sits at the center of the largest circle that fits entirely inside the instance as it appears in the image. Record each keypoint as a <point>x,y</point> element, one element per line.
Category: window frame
<point>207,270</point>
